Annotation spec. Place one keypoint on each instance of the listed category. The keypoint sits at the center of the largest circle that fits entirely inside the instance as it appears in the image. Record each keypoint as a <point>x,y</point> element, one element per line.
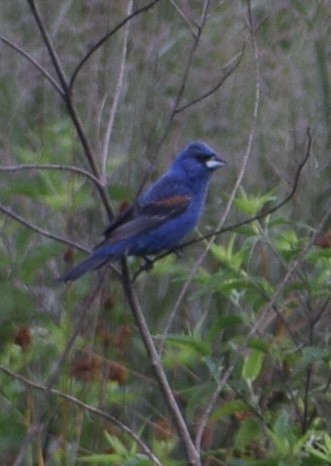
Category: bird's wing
<point>140,218</point>
<point>121,218</point>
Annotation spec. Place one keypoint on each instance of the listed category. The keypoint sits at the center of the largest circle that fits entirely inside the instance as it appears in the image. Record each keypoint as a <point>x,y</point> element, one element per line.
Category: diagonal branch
<point>51,50</point>
<point>91,409</point>
<point>184,17</point>
<point>117,94</point>
<point>182,86</point>
<point>36,229</point>
<point>52,166</point>
<point>192,454</point>
<point>70,107</point>
<point>237,59</point>
<point>36,64</point>
<point>106,37</point>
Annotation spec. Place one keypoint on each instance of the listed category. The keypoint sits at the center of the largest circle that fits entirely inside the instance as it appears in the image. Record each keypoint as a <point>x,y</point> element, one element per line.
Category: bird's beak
<point>215,162</point>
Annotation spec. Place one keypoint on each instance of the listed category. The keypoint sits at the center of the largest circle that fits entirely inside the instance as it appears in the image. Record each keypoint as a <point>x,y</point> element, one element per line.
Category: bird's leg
<point>148,264</point>
<point>178,253</point>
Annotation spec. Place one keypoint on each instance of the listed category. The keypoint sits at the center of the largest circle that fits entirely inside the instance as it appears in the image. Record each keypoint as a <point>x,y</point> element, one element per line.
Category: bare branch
<point>52,166</point>
<point>182,86</point>
<point>117,94</point>
<point>106,37</point>
<point>192,454</point>
<point>237,59</point>
<point>51,50</point>
<point>34,62</point>
<point>209,408</point>
<point>40,231</point>
<point>184,17</point>
<point>91,409</point>
<point>70,107</point>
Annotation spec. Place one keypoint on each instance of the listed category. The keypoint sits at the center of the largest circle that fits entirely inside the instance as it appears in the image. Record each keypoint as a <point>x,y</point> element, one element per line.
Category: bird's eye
<point>201,158</point>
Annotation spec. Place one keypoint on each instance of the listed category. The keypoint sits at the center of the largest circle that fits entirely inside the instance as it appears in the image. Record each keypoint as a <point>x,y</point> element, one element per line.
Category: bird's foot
<point>178,253</point>
<point>147,265</point>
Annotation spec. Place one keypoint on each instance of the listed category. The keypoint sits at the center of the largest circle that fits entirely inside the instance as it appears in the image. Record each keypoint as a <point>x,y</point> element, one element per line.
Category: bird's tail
<point>90,263</point>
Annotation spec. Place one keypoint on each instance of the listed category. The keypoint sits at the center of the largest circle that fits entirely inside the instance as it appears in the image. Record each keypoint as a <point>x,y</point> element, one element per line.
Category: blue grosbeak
<point>162,216</point>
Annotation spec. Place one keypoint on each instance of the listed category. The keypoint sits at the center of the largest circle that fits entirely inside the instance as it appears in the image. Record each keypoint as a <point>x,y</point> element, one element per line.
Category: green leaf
<point>229,257</point>
<point>287,242</point>
<point>248,432</point>
<point>309,355</point>
<point>185,350</point>
<point>322,447</point>
<point>250,204</point>
<point>223,323</point>
<point>16,305</point>
<point>195,344</point>
<point>281,426</point>
<point>103,458</point>
<point>116,444</point>
<point>316,255</point>
<point>259,344</point>
<point>283,436</point>
<point>228,409</point>
<point>253,364</point>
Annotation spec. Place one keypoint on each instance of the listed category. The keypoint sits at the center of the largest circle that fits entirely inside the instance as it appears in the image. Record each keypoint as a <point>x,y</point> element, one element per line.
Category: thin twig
<point>51,50</point>
<point>184,17</point>
<point>211,91</point>
<point>91,409</point>
<point>36,64</point>
<point>209,408</point>
<point>117,94</point>
<point>192,454</point>
<point>106,37</point>
<point>320,312</point>
<point>70,107</point>
<point>41,231</point>
<point>306,398</point>
<point>182,86</point>
<point>52,166</point>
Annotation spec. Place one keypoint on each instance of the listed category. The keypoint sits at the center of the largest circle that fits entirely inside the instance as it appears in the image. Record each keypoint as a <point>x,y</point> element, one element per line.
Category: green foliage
<point>321,447</point>
<point>253,364</point>
<point>252,205</point>
<point>120,455</point>
<point>246,343</point>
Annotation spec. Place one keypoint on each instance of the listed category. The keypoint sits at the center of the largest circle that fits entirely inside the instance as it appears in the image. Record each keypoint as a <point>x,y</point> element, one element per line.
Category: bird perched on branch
<point>162,216</point>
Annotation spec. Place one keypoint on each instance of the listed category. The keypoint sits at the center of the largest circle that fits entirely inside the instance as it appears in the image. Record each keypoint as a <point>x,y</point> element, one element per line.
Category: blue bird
<point>162,216</point>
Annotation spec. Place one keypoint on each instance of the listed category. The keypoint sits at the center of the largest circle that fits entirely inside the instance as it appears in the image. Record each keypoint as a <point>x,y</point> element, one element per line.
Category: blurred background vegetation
<point>275,407</point>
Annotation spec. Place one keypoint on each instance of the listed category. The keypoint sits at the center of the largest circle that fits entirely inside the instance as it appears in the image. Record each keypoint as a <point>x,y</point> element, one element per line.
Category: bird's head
<point>197,160</point>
